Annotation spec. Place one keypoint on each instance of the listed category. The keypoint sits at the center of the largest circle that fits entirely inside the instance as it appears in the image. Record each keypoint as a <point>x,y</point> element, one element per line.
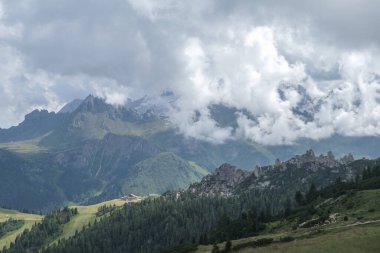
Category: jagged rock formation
<point>302,169</point>
<point>328,160</point>
<point>299,171</point>
<point>36,123</point>
<point>312,161</point>
<point>222,181</point>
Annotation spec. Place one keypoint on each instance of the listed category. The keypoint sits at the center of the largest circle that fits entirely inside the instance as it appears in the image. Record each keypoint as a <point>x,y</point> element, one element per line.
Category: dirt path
<point>355,224</point>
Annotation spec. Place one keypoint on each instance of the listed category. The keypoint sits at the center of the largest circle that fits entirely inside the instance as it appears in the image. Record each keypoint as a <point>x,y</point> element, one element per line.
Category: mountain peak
<point>71,106</point>
<point>38,114</point>
<point>95,105</point>
<point>310,157</point>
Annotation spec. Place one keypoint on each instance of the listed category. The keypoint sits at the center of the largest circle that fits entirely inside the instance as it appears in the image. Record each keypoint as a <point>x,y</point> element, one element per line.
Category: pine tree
<point>299,198</point>
<point>228,246</point>
<point>215,249</point>
<point>312,193</point>
<point>288,207</point>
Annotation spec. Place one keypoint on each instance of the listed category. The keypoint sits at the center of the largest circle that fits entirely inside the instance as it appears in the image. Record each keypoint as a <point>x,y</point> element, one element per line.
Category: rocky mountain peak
<point>308,160</point>
<point>94,105</point>
<point>97,105</point>
<point>38,114</point>
<point>222,181</point>
<point>310,157</point>
<point>71,107</point>
<point>347,158</point>
<point>309,154</point>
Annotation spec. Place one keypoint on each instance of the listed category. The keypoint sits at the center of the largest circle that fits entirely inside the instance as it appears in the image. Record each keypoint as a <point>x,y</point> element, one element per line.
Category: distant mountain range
<point>92,151</point>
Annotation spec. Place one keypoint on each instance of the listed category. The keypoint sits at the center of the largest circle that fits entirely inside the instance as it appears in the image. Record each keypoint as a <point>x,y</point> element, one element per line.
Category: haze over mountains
<point>92,151</point>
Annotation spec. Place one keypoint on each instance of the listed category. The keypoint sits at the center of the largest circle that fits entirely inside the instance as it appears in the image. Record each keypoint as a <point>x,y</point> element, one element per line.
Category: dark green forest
<point>173,223</point>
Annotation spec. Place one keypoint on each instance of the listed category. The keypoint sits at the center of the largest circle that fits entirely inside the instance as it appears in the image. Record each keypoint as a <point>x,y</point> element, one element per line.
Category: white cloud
<point>290,69</point>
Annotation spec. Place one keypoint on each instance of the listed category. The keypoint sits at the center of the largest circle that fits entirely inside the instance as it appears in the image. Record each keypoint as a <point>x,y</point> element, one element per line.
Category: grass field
<point>25,147</point>
<point>29,219</point>
<point>359,233</point>
<point>362,238</point>
<point>85,215</point>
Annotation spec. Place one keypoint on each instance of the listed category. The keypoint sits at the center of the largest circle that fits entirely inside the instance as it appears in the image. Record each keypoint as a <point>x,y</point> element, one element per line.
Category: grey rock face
<point>223,181</point>
<point>324,160</point>
<point>298,171</point>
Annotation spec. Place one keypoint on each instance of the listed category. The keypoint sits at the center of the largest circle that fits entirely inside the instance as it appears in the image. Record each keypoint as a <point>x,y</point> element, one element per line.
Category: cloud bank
<point>290,69</point>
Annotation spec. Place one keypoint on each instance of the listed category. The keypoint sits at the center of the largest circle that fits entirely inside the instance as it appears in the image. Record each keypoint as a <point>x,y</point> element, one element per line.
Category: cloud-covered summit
<point>290,69</point>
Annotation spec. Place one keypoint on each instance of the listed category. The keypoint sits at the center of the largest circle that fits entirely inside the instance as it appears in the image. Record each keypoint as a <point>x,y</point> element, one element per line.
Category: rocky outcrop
<point>347,159</point>
<point>321,160</point>
<point>300,170</point>
<point>222,181</point>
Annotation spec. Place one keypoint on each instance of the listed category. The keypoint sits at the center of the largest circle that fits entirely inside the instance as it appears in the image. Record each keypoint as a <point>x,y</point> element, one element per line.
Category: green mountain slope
<point>36,124</point>
<point>84,216</point>
<point>354,229</point>
<point>27,184</point>
<point>162,172</point>
<point>28,221</point>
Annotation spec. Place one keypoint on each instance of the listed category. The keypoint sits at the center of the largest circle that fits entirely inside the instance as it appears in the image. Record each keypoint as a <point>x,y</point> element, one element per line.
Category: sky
<point>290,69</point>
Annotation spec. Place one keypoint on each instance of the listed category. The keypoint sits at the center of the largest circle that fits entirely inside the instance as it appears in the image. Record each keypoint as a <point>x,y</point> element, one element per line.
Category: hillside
<point>354,229</point>
<point>85,215</point>
<point>153,175</point>
<point>28,221</point>
<point>259,219</point>
<point>24,183</point>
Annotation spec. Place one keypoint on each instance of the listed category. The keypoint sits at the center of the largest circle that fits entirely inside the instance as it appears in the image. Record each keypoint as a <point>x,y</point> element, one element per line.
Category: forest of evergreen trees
<point>157,224</point>
<point>10,225</point>
<point>171,224</point>
<point>36,238</point>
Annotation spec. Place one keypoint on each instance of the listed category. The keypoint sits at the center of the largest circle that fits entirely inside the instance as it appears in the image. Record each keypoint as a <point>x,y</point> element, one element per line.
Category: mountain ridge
<point>299,171</point>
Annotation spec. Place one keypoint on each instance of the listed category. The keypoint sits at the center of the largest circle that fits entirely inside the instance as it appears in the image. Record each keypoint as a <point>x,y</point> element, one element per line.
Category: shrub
<point>264,241</point>
<point>287,239</point>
